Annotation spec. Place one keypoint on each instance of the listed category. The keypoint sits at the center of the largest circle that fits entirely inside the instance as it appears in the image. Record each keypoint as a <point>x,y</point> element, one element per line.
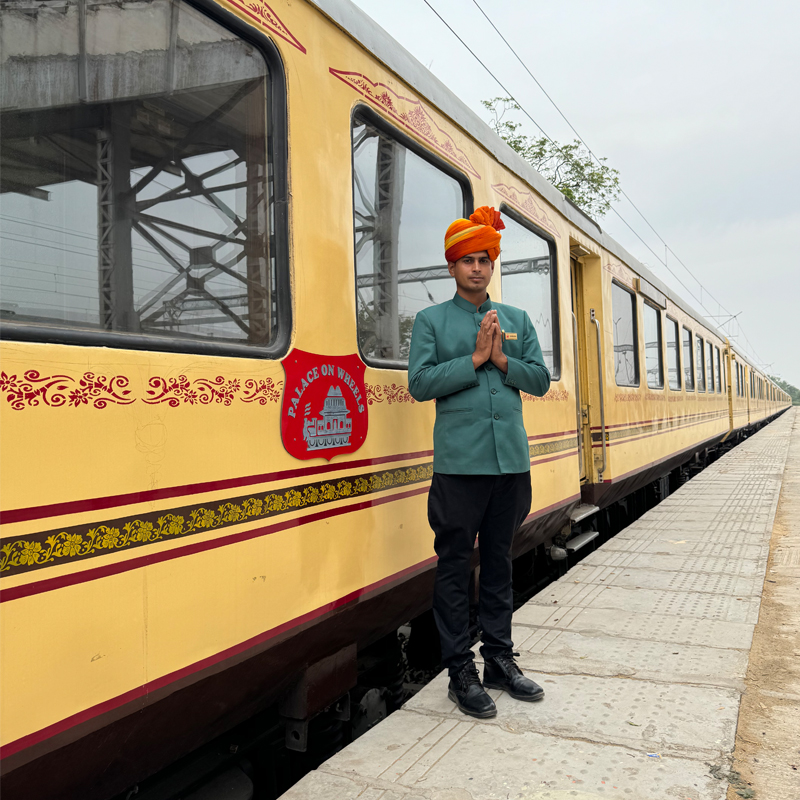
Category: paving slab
<point>744,568</point>
<point>648,578</point>
<point>653,601</point>
<point>546,651</point>
<point>630,625</point>
<point>684,547</point>
<point>642,715</point>
<point>642,649</point>
<point>717,533</point>
<point>470,760</point>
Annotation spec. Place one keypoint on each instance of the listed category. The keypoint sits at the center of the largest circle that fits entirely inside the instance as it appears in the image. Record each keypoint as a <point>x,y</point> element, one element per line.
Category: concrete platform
<point>642,649</point>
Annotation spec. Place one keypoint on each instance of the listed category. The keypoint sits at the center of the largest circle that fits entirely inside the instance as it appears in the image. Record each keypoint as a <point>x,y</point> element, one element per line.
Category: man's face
<point>472,272</point>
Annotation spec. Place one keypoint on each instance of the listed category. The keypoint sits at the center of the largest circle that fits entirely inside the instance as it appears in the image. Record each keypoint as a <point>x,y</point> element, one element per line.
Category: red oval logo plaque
<point>324,410</point>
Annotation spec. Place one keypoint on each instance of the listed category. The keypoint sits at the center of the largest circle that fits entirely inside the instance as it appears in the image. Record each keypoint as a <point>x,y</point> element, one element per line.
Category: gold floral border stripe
<point>659,427</point>
<point>61,546</point>
<point>548,448</point>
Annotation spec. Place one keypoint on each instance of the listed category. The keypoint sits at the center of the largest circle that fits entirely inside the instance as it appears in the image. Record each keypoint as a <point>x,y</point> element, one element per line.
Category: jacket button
<point>497,416</point>
<point>494,391</point>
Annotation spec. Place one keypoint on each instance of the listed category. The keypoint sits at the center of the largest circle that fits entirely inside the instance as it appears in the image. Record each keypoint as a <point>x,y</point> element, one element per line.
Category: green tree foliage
<point>792,391</point>
<point>569,167</point>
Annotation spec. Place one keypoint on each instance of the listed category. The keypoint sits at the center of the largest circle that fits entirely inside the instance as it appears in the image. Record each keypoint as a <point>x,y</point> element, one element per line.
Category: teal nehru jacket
<point>479,428</point>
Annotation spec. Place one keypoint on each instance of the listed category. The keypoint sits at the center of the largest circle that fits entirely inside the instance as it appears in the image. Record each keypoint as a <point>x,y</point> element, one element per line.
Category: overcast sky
<point>697,104</point>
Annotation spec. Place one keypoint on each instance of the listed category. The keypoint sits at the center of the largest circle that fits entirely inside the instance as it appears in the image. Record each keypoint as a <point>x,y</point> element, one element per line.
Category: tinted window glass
<point>140,202</point>
<point>402,207</point>
<point>688,360</point>
<point>673,355</point>
<point>717,369</point>
<point>700,364</point>
<point>710,365</point>
<point>626,362</point>
<point>652,347</point>
<point>529,278</point>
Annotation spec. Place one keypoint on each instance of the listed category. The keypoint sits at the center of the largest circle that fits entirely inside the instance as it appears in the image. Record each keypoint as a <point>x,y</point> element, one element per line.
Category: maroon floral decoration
<point>62,390</point>
<point>174,391</point>
<point>409,113</point>
<point>262,391</point>
<point>525,202</point>
<point>259,11</point>
<point>391,394</point>
<point>98,391</point>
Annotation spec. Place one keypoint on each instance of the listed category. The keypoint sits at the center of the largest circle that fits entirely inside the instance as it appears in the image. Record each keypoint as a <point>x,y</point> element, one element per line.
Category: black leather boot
<point>502,672</point>
<point>467,692</point>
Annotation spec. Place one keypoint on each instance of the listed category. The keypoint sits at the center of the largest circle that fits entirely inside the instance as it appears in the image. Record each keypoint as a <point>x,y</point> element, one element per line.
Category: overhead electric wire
<point>552,141</point>
<point>599,162</point>
<point>544,132</point>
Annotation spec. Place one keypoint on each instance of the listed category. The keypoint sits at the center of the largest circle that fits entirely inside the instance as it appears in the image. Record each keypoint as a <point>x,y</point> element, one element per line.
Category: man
<point>474,357</point>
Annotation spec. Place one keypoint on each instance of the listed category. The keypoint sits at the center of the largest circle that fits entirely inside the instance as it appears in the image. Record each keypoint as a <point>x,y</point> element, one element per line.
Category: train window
<point>626,361</point>
<point>652,346</point>
<point>700,365</point>
<point>673,355</point>
<point>402,204</point>
<point>529,282</point>
<point>688,360</point>
<point>139,201</point>
<point>710,366</point>
<point>717,369</point>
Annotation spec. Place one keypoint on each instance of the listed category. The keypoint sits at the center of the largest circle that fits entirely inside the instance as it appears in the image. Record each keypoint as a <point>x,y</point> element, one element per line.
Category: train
<point>219,220</point>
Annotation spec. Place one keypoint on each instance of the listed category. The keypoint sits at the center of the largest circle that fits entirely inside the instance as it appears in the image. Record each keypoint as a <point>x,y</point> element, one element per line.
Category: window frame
<point>678,348</point>
<point>374,118</point>
<point>709,366</point>
<point>277,135</point>
<point>702,342</point>
<point>662,385</point>
<point>555,304</point>
<point>635,304</point>
<point>692,356</point>
<point>718,369</point>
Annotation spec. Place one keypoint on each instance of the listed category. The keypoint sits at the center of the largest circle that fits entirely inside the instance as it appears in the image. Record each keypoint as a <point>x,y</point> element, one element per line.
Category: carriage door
<point>579,357</point>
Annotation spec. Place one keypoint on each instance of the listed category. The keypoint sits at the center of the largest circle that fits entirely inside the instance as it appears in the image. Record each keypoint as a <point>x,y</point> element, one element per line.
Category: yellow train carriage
<point>657,378</point>
<point>221,219</point>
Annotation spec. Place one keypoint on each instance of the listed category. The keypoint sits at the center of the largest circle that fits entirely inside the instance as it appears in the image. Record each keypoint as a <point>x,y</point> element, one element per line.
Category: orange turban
<point>479,232</point>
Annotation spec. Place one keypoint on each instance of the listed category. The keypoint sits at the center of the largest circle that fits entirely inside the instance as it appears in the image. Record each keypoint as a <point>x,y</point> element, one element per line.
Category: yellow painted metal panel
<point>69,650</point>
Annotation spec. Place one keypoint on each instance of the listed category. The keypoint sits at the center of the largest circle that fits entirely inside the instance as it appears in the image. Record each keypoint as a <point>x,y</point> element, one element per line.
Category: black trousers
<point>460,506</point>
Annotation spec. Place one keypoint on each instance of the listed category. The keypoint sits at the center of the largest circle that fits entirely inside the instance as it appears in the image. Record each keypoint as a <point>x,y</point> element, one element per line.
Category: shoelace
<point>507,660</point>
<point>469,675</point>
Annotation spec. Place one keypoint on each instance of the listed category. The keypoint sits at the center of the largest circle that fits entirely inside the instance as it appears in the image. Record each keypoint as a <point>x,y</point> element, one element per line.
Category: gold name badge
<point>509,337</point>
